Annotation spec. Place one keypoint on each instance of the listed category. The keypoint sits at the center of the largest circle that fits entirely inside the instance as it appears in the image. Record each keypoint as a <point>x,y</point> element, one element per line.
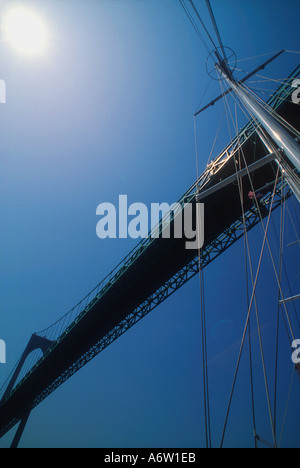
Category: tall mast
<point>272,126</point>
<point>278,133</point>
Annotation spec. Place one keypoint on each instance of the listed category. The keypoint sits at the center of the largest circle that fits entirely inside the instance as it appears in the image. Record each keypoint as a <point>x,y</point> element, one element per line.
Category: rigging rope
<point>292,51</point>
<point>246,249</point>
<point>257,317</point>
<point>274,149</point>
<point>202,23</point>
<point>286,407</point>
<point>246,326</point>
<point>212,16</point>
<point>282,217</point>
<point>265,241</point>
<point>203,330</point>
<point>268,244</point>
<point>257,56</point>
<point>283,301</point>
<point>191,19</point>
<point>193,23</point>
<point>204,357</point>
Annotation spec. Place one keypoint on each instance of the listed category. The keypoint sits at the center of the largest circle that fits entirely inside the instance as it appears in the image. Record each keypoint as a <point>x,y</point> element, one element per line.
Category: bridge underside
<point>158,270</point>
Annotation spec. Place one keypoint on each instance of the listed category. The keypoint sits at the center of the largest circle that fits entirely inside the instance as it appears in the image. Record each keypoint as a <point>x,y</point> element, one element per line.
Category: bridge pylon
<point>35,342</point>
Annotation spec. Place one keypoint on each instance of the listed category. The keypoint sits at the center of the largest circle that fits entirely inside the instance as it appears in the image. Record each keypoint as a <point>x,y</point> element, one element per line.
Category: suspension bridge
<point>256,173</point>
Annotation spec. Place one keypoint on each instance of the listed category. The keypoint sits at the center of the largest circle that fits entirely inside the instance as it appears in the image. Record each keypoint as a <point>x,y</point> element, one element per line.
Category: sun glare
<point>24,30</point>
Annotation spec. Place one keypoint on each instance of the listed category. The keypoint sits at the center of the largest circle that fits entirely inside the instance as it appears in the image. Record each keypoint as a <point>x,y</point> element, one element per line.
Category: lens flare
<point>24,30</point>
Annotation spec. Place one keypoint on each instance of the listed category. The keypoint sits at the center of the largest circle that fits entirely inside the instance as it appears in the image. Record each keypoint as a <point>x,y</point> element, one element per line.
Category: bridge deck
<point>156,262</point>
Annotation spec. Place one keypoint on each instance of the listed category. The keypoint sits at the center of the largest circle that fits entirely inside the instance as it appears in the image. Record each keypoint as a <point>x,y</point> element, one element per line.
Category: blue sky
<point>109,111</point>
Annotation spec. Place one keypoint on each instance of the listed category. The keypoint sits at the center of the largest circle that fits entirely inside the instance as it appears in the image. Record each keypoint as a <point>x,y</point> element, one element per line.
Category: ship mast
<point>287,146</point>
<point>274,129</point>
<point>284,149</point>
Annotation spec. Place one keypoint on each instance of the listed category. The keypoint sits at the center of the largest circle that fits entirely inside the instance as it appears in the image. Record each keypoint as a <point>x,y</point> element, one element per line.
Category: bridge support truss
<point>209,253</point>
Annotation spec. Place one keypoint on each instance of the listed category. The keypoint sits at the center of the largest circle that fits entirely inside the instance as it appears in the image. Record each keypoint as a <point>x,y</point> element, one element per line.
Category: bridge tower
<point>35,342</point>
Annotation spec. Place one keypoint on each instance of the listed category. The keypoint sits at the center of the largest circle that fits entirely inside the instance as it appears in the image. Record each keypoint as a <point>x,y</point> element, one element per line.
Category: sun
<point>25,30</point>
